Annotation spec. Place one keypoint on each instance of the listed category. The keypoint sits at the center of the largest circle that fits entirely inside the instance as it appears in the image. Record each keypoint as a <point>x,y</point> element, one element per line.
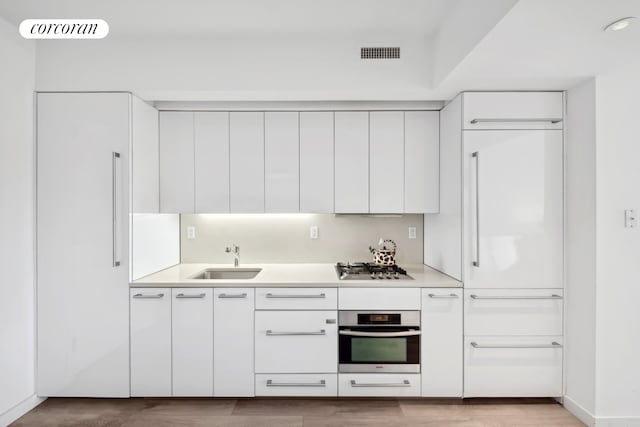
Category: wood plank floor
<point>271,412</point>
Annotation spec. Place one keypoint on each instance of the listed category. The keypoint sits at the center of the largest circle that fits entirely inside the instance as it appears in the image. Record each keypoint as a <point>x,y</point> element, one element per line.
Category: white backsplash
<point>284,238</point>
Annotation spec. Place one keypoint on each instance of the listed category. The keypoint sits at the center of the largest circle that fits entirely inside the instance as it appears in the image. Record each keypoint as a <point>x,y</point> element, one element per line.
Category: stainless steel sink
<point>227,273</point>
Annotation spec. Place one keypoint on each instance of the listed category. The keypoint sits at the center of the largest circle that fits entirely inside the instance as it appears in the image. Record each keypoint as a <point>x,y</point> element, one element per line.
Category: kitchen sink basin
<point>227,273</point>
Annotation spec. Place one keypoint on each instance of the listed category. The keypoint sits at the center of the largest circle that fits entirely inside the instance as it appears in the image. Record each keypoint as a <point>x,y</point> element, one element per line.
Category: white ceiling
<point>214,18</point>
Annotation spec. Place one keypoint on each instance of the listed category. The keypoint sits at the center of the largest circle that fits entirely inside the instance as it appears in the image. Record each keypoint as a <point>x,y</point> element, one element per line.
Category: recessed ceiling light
<point>619,24</point>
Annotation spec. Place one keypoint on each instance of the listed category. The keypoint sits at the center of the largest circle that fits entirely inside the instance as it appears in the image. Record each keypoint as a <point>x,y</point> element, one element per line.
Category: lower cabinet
<point>379,385</point>
<point>441,343</point>
<point>150,342</point>
<point>513,366</point>
<point>192,341</point>
<point>233,311</point>
<point>297,384</point>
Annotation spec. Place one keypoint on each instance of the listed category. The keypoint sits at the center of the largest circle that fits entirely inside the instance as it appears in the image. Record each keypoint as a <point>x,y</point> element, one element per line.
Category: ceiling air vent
<point>379,53</point>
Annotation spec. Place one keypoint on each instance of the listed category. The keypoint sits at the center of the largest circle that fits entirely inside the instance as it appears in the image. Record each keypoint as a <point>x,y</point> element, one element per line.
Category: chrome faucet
<point>235,250</point>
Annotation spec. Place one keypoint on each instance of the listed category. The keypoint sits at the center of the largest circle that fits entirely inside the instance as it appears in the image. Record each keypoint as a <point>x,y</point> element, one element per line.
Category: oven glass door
<point>379,345</point>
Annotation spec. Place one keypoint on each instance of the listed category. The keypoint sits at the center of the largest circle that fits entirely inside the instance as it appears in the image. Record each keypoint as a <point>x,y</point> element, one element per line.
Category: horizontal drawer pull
<point>404,383</point>
<point>280,333</point>
<point>550,120</point>
<point>551,345</point>
<point>147,296</point>
<point>242,295</point>
<point>351,333</point>
<point>322,383</point>
<point>270,295</point>
<point>554,296</point>
<point>443,296</point>
<point>185,296</point>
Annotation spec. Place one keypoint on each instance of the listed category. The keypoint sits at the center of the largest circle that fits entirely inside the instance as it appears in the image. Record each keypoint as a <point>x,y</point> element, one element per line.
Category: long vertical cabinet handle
<point>114,204</point>
<point>476,157</point>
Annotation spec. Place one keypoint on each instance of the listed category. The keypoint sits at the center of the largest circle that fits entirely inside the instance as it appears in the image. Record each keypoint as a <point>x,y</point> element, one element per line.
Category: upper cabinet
<point>281,162</point>
<point>246,147</point>
<point>386,162</point>
<point>512,110</point>
<point>316,162</point>
<point>211,160</point>
<point>352,161</point>
<point>312,161</point>
<point>176,162</point>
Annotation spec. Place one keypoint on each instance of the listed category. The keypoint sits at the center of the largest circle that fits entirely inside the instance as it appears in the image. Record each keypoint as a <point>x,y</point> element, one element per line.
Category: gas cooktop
<point>370,271</point>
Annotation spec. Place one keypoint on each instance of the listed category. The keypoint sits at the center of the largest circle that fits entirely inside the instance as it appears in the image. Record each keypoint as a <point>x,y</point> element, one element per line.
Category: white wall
<point>580,229</point>
<point>17,338</point>
<point>618,249</point>
<point>271,68</point>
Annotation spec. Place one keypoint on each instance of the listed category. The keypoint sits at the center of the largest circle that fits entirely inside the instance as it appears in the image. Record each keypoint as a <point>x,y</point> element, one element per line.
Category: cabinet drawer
<point>296,341</point>
<point>379,384</point>
<point>379,299</point>
<point>296,298</point>
<point>513,366</point>
<point>513,311</point>
<point>513,110</point>
<point>296,385</point>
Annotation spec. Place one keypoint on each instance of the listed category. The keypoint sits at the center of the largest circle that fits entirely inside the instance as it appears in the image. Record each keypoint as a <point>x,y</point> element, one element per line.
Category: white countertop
<point>292,275</point>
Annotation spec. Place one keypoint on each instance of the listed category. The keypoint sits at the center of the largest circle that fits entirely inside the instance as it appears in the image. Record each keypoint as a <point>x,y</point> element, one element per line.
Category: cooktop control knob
<point>396,275</point>
<point>388,275</point>
<point>381,275</point>
<point>373,275</point>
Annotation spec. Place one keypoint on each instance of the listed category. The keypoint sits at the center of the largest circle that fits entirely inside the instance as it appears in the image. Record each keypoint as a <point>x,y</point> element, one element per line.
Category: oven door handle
<point>409,333</point>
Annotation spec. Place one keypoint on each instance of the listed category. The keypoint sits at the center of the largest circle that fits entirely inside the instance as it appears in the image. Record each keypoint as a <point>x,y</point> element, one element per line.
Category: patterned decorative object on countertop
<point>384,256</point>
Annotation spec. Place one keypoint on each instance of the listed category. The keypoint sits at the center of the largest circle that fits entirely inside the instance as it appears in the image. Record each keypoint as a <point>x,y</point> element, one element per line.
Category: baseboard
<point>20,409</point>
<point>581,413</point>
<point>617,422</point>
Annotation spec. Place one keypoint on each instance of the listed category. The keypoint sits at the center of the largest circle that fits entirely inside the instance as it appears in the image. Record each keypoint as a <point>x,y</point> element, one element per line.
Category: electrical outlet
<point>630,218</point>
<point>313,232</point>
<point>191,233</point>
<point>412,233</point>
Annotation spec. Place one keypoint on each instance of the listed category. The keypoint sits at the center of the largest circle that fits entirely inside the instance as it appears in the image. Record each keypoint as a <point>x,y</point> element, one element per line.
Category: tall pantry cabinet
<point>83,205</point>
<point>500,231</point>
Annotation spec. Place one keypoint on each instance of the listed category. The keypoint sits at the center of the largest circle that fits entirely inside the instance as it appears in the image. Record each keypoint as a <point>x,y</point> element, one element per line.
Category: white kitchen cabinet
<point>297,385</point>
<point>351,162</point>
<point>421,161</point>
<point>192,341</point>
<point>379,385</point>
<point>145,152</point>
<point>233,311</point>
<point>386,161</point>
<point>82,244</point>
<point>246,162</point>
<point>176,162</point>
<point>513,206</point>
<point>316,162</point>
<point>296,342</point>
<point>211,157</point>
<point>513,311</point>
<point>379,298</point>
<point>441,342</point>
<point>296,298</point>
<point>513,110</point>
<point>150,342</point>
<point>513,366</point>
<point>281,162</point>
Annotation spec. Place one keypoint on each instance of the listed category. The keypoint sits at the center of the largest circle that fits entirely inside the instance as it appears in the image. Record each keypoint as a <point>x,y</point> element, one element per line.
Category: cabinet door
<point>145,149</point>
<point>513,209</point>
<point>192,341</point>
<point>441,343</point>
<point>247,161</point>
<point>386,157</point>
<point>421,161</point>
<point>281,162</point>
<point>380,385</point>
<point>82,293</point>
<point>316,162</point>
<point>150,342</point>
<point>176,162</point>
<point>233,342</point>
<point>296,342</point>
<point>352,162</point>
<point>211,145</point>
